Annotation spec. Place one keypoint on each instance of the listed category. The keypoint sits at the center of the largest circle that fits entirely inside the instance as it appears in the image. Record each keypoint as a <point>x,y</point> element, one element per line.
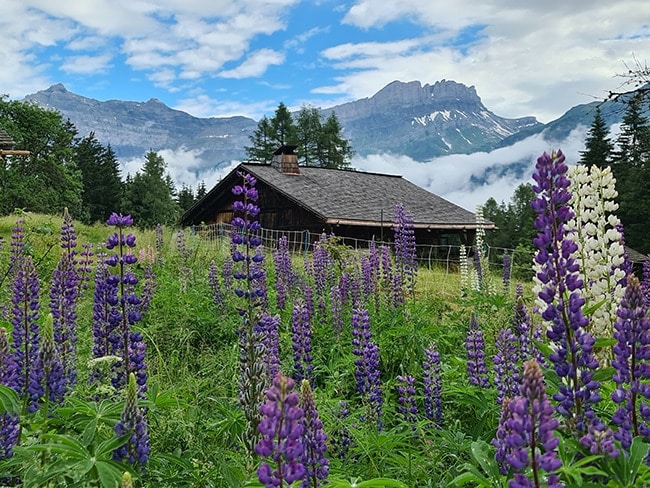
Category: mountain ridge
<point>420,121</point>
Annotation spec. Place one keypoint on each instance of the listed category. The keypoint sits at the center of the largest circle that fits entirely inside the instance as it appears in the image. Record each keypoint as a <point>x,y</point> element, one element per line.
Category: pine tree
<point>337,151</point>
<point>598,145</point>
<point>100,173</point>
<point>201,190</point>
<point>319,143</point>
<point>185,198</point>
<point>631,168</point>
<point>149,195</point>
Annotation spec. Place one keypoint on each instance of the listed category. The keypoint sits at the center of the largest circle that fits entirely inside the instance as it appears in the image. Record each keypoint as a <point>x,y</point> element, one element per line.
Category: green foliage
<point>149,194</point>
<point>102,185</point>
<point>631,168</point>
<point>48,179</point>
<point>598,145</point>
<point>320,143</point>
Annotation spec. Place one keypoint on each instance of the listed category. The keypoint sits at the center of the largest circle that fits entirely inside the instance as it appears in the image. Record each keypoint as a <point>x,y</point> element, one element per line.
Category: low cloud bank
<point>467,180</point>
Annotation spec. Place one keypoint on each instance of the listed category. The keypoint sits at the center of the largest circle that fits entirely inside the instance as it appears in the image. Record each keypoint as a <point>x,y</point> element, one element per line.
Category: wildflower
<point>432,385</point>
<point>340,440</point>
<point>284,275</point>
<point>406,399</point>
<point>218,297</point>
<point>336,306</point>
<point>406,264</point>
<point>600,252</point>
<point>123,307</point>
<point>281,431</point>
<point>367,372</point>
<point>269,329</point>
<point>475,346</point>
<point>9,422</point>
<point>26,333</point>
<point>54,379</point>
<point>632,364</point>
<point>506,369</point>
<point>314,440</point>
<point>301,338</point>
<point>247,258</point>
<point>64,290</point>
<point>133,423</point>
<point>507,269</point>
<point>530,441</point>
<point>558,284</point>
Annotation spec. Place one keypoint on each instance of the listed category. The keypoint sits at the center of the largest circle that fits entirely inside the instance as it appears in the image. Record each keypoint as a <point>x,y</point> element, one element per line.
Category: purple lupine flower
<point>247,258</point>
<point>432,385</point>
<point>301,339</point>
<point>9,423</point>
<point>281,429</point>
<point>559,282</point>
<point>54,379</point>
<point>218,296</point>
<point>159,242</point>
<point>64,289</point>
<point>500,441</point>
<point>600,439</point>
<point>475,346</point>
<point>124,306</point>
<point>26,333</point>
<point>344,288</point>
<point>104,311</point>
<point>355,291</point>
<point>321,265</point>
<point>632,364</point>
<point>367,372</point>
<point>340,440</point>
<point>336,306</point>
<point>308,297</point>
<point>314,441</point>
<point>269,329</point>
<point>16,248</point>
<point>284,275</point>
<point>85,267</point>
<point>406,400</point>
<point>521,325</point>
<point>507,374</point>
<point>530,440</point>
<point>148,289</point>
<point>406,264</point>
<point>507,270</point>
<point>133,423</point>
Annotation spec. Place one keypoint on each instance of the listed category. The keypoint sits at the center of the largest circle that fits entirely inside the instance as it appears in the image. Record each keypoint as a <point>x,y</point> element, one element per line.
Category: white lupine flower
<point>600,252</point>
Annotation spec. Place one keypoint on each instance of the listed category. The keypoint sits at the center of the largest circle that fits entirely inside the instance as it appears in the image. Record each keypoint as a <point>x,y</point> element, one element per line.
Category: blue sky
<point>225,57</point>
<point>244,57</point>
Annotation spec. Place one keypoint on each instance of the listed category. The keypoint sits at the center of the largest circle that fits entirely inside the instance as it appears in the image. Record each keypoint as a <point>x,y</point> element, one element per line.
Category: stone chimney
<point>286,161</point>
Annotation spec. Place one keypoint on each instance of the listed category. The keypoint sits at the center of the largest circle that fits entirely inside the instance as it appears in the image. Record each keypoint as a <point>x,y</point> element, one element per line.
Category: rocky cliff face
<point>133,128</point>
<point>425,121</point>
<point>402,118</point>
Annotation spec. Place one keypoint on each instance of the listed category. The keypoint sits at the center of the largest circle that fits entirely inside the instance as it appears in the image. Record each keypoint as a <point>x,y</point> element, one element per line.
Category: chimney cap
<point>285,150</point>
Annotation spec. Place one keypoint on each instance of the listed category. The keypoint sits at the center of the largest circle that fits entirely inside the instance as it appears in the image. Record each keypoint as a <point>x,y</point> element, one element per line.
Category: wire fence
<point>441,257</point>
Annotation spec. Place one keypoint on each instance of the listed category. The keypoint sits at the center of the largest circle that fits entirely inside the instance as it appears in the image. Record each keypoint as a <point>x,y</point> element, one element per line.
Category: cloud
<point>471,179</point>
<point>255,64</point>
<point>86,64</point>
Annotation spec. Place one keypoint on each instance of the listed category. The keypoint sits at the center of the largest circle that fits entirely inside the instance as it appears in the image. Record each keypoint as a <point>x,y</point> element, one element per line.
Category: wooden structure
<point>7,145</point>
<point>341,202</point>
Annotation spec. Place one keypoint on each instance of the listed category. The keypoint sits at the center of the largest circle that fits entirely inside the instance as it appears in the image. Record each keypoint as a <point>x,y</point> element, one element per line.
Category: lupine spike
<point>281,431</point>
<point>314,440</point>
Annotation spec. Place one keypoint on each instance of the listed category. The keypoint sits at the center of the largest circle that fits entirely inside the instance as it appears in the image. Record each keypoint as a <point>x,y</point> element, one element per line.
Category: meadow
<point>372,372</point>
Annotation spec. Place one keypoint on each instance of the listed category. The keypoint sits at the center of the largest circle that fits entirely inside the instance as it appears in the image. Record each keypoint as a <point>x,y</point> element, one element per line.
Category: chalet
<point>345,203</point>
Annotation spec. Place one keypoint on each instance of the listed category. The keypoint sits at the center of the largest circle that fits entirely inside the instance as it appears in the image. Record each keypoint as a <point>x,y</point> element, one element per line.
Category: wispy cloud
<point>255,64</point>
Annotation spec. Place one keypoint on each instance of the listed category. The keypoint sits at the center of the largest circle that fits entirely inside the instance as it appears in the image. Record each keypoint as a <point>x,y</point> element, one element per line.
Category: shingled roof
<point>6,142</point>
<point>353,197</point>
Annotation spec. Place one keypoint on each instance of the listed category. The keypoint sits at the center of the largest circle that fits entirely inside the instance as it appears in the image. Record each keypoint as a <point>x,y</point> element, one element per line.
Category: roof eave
<point>378,223</point>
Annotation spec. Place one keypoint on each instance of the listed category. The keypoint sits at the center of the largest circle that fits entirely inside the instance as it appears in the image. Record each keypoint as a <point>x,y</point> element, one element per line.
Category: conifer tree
<point>598,145</point>
<point>100,174</point>
<point>631,168</point>
<point>149,195</point>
